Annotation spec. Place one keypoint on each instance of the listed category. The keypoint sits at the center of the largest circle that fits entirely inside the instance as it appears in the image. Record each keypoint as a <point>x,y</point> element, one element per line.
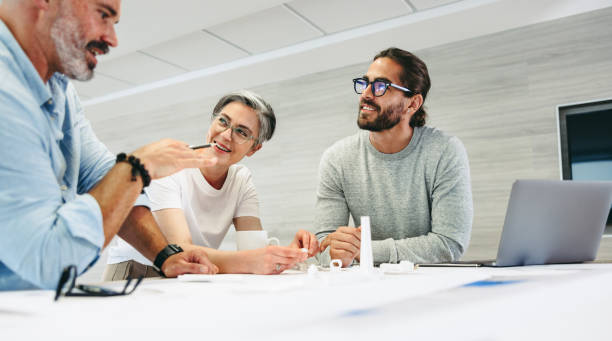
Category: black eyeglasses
<point>379,86</point>
<point>70,274</point>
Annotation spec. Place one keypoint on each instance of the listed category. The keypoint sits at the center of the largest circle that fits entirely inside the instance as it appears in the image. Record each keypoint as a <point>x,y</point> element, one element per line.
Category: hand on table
<point>192,261</point>
<point>307,240</point>
<point>344,244</point>
<point>274,259</point>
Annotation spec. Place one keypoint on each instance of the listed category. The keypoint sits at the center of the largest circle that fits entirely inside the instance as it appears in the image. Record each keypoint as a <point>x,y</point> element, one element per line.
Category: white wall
<point>497,93</point>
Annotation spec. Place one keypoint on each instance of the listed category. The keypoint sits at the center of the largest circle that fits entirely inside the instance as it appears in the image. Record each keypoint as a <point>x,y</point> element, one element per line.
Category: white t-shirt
<point>209,212</point>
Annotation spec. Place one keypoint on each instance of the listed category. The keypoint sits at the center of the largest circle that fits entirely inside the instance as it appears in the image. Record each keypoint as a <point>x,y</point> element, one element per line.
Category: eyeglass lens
<point>241,135</point>
<point>66,281</point>
<point>378,87</point>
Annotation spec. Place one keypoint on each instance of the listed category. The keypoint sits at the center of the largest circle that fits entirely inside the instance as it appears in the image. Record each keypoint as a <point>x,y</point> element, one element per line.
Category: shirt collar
<point>39,90</point>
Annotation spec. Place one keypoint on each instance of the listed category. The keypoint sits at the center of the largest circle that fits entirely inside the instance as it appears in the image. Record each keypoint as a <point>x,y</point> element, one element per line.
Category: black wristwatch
<point>166,252</point>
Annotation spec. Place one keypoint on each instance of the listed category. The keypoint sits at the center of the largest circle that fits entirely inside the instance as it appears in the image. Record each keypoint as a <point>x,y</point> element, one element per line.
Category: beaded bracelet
<point>137,168</point>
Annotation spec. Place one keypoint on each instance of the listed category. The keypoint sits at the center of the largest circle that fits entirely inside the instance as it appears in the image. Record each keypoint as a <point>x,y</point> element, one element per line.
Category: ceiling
<point>172,51</point>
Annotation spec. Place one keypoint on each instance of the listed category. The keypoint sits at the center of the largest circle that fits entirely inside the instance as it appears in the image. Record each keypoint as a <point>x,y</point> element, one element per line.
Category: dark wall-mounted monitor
<point>585,141</point>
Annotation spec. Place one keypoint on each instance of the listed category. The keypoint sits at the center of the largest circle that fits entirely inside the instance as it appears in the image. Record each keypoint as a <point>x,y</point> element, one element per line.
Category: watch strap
<point>166,252</point>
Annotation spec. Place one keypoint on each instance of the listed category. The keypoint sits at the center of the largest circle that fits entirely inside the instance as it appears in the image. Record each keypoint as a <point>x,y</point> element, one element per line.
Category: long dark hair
<point>414,77</point>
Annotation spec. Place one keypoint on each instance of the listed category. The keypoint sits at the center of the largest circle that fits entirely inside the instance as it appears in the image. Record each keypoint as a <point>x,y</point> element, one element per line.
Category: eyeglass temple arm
<point>400,87</point>
<point>63,281</point>
<point>127,283</point>
<point>125,291</point>
<point>61,284</point>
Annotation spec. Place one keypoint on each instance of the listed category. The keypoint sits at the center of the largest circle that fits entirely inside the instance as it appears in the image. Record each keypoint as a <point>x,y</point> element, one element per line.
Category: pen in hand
<point>209,162</point>
<point>202,146</point>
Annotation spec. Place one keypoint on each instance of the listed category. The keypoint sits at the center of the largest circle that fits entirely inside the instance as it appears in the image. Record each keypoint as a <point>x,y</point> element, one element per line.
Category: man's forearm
<point>229,262</point>
<point>142,232</point>
<point>429,248</point>
<point>116,194</point>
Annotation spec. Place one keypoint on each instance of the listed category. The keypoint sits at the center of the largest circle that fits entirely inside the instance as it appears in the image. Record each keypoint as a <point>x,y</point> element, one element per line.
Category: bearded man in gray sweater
<point>413,181</point>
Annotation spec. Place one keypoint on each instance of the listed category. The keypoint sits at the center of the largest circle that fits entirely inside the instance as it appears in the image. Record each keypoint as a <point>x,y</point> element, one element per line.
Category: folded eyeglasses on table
<point>83,290</point>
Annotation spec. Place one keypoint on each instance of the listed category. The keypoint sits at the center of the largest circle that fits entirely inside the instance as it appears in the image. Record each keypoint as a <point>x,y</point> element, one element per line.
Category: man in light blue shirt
<point>63,195</point>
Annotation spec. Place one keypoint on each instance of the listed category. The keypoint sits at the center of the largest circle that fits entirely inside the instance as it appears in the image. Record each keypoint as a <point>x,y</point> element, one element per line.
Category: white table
<point>537,302</point>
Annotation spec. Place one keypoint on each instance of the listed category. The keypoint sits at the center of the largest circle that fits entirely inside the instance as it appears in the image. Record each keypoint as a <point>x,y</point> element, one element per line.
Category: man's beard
<point>71,48</point>
<point>386,119</point>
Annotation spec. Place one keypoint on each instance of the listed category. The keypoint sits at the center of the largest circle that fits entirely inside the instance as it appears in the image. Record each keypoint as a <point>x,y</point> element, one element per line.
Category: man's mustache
<point>100,45</point>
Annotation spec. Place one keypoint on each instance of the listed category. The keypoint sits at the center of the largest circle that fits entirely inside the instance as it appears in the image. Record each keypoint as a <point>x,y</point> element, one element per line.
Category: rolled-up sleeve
<point>40,233</point>
<point>96,160</point>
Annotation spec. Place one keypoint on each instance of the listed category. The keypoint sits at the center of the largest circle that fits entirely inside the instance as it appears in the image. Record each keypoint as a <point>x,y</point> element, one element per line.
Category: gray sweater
<point>419,200</point>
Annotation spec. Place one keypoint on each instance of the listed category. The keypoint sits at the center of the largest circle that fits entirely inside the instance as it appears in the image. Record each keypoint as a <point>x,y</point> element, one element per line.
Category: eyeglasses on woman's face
<point>240,134</point>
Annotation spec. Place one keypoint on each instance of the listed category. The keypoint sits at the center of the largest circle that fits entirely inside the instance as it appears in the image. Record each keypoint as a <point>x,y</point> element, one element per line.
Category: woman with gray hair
<point>196,207</point>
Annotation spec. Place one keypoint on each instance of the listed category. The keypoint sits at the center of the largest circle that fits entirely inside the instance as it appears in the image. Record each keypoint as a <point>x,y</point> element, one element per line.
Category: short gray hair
<point>265,113</point>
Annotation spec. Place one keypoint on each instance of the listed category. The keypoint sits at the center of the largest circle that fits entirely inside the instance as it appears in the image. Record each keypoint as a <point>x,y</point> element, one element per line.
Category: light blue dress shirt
<point>49,159</point>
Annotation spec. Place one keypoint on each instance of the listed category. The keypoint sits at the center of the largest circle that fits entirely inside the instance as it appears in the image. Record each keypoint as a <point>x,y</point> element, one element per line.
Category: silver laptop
<point>552,221</point>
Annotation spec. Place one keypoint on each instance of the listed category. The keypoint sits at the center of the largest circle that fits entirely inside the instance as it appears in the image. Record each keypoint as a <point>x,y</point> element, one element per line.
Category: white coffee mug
<point>250,240</point>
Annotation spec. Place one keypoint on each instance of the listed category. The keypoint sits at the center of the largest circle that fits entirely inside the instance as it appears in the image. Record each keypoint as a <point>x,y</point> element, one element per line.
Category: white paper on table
<point>210,278</point>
